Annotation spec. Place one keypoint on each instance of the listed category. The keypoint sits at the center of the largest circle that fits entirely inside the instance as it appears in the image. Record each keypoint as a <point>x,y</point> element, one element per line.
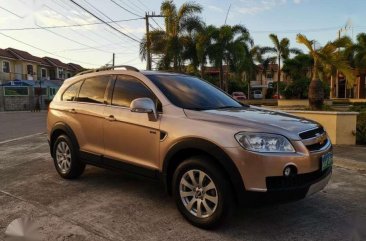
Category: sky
<point>92,45</point>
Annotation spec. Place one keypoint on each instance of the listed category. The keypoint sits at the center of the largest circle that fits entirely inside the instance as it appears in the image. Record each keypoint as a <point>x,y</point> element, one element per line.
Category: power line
<point>86,10</point>
<point>67,26</point>
<point>11,12</point>
<point>126,9</point>
<point>108,17</point>
<point>157,24</point>
<point>63,4</point>
<point>72,40</point>
<point>140,9</point>
<point>45,51</point>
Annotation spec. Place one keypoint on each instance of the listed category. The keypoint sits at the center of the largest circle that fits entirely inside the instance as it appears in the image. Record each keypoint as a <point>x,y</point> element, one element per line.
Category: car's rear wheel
<point>65,158</point>
<point>202,193</point>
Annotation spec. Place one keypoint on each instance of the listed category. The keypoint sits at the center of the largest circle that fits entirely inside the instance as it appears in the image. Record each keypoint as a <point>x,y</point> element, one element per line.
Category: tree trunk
<point>221,76</point>
<point>278,77</point>
<point>316,91</point>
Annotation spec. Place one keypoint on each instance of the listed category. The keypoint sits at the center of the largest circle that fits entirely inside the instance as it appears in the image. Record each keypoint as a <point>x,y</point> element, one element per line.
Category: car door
<point>130,137</point>
<point>90,114</point>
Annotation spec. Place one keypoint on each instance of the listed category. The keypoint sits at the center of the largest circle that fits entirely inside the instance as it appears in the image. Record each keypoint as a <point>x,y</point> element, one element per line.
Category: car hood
<point>256,119</point>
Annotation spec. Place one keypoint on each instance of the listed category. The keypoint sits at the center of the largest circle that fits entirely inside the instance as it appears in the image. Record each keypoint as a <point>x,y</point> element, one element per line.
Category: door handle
<point>110,118</point>
<point>72,111</point>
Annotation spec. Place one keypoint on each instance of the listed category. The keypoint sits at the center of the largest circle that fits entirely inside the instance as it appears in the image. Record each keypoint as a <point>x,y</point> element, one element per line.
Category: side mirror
<point>144,105</point>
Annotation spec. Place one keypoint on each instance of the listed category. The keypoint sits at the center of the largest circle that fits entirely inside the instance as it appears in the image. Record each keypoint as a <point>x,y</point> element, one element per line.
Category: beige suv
<point>209,150</point>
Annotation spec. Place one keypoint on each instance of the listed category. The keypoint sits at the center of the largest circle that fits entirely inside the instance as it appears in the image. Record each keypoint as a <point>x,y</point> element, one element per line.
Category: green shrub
<point>361,128</point>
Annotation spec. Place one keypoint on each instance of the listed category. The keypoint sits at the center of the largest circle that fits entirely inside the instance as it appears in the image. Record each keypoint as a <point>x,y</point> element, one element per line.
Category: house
<point>7,63</point>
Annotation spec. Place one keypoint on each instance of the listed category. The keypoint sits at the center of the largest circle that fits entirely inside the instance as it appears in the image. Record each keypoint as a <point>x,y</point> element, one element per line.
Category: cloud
<point>297,1</point>
<point>253,6</point>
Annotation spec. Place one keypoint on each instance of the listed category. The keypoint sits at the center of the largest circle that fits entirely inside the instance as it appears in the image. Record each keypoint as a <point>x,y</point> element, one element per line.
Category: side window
<point>93,89</point>
<point>128,88</point>
<point>71,93</point>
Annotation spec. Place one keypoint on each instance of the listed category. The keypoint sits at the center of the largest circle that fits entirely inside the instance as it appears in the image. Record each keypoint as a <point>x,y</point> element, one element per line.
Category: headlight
<point>262,142</point>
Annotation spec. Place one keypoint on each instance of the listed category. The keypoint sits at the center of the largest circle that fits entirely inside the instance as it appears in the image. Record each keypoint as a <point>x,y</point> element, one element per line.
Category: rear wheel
<point>65,158</point>
<point>202,193</point>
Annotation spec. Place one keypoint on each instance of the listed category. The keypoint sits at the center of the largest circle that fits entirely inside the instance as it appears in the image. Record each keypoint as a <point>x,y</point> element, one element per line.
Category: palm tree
<point>326,59</point>
<point>170,42</point>
<point>282,50</point>
<point>358,57</point>
<point>204,45</point>
<point>221,51</point>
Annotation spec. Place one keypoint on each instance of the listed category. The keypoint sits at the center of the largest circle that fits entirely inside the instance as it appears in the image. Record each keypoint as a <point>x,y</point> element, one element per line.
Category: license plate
<point>327,160</point>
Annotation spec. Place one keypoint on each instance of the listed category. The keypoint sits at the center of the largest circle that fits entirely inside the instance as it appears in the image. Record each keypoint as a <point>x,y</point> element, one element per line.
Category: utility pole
<point>113,59</point>
<point>148,40</point>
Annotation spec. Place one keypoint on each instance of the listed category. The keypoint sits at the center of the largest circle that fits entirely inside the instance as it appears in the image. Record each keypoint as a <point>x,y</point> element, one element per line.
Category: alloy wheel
<point>63,156</point>
<point>198,193</point>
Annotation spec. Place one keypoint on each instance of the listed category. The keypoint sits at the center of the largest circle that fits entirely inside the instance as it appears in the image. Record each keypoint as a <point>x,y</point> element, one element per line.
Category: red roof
<point>271,67</point>
<point>23,55</point>
<point>6,54</point>
<point>56,63</point>
<point>75,67</point>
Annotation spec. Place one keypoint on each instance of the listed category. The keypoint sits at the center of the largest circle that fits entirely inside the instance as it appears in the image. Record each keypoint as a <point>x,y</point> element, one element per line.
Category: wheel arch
<point>59,129</point>
<point>195,146</point>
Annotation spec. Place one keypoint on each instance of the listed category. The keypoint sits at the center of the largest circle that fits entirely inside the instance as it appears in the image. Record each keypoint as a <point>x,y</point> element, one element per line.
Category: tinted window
<point>127,89</point>
<point>71,92</point>
<point>192,93</point>
<point>93,89</point>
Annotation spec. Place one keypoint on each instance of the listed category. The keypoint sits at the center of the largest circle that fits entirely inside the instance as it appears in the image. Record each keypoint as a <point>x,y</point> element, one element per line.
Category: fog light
<point>287,171</point>
<point>290,171</point>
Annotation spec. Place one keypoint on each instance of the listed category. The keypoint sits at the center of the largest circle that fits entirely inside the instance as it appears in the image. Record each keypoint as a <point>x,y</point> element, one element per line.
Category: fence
<point>23,98</point>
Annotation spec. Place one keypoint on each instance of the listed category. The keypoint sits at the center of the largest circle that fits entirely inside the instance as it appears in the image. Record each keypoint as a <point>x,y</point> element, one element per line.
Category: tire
<point>66,159</point>
<point>213,194</point>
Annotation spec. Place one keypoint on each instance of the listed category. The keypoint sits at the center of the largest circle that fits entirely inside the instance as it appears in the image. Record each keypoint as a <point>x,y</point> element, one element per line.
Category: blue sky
<point>93,45</point>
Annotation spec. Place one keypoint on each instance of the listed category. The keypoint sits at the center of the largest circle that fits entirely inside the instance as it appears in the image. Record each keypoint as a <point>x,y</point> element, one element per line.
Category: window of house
<point>269,75</point>
<point>30,69</point>
<point>68,75</point>
<point>72,92</point>
<point>128,88</point>
<point>6,67</point>
<point>93,89</point>
<point>43,73</point>
<point>60,73</point>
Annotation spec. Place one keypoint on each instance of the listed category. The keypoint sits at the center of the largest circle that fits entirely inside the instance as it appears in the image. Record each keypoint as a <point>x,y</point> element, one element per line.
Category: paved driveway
<point>19,124</point>
<point>106,205</point>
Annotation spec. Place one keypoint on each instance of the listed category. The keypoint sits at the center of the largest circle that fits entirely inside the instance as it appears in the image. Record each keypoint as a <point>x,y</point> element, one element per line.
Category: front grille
<point>312,133</point>
<point>298,181</point>
<point>317,146</point>
<point>314,139</point>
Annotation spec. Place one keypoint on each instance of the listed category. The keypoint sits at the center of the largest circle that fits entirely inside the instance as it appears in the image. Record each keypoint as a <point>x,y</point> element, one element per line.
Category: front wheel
<point>202,193</point>
<point>65,158</point>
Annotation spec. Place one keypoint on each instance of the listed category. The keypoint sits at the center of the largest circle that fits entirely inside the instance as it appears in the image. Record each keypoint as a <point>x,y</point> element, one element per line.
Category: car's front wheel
<point>202,193</point>
<point>65,158</point>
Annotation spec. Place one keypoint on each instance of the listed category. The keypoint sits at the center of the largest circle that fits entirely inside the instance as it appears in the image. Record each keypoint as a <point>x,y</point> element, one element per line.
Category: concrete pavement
<point>18,124</point>
<point>106,205</point>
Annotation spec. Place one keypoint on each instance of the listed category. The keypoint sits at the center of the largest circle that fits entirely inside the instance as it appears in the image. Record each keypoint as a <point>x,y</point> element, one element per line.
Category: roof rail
<point>127,67</point>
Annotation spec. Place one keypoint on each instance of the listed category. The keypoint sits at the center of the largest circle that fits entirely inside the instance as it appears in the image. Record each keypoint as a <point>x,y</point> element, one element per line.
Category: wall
<point>340,126</point>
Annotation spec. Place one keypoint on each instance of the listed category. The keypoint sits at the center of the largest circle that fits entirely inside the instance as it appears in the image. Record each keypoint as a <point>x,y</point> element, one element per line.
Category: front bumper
<point>263,172</point>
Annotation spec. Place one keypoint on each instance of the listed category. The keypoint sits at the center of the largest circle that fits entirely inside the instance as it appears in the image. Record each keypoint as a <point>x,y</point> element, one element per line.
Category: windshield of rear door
<point>189,92</point>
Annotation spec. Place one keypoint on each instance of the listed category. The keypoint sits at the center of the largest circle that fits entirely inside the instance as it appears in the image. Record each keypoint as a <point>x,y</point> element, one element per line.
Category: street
<point>107,205</point>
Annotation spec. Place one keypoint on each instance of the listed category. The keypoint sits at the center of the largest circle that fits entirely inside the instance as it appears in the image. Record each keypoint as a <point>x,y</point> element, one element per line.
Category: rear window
<point>71,92</point>
<point>93,89</point>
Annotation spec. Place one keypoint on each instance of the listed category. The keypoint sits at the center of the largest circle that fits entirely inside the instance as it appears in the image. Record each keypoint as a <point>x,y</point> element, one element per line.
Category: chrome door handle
<point>110,118</point>
<point>72,111</point>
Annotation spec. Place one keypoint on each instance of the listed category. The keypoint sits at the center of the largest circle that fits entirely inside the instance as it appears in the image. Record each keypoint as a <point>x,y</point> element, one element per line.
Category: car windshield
<point>192,93</point>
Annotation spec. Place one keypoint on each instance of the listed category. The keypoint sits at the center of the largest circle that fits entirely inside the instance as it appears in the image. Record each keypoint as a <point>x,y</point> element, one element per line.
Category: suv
<point>209,150</point>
